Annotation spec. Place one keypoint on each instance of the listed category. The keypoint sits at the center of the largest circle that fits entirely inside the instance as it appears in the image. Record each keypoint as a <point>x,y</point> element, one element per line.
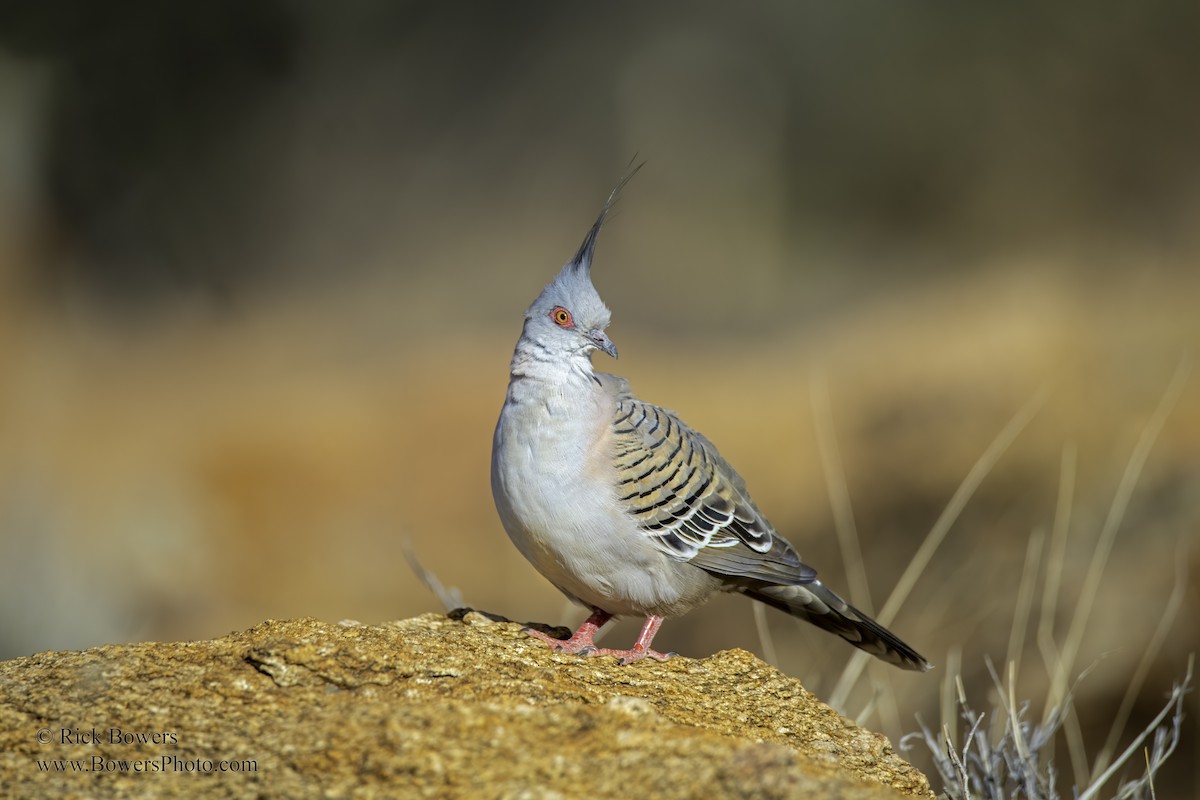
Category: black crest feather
<point>583,259</point>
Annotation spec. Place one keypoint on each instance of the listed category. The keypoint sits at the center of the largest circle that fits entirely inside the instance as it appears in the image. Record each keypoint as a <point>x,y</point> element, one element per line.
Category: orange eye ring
<point>562,318</point>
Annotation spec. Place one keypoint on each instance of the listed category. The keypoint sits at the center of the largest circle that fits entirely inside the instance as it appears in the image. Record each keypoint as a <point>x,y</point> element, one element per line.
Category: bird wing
<point>690,503</point>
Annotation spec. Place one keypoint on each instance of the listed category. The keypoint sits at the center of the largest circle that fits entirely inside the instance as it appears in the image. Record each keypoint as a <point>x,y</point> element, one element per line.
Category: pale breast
<point>553,481</point>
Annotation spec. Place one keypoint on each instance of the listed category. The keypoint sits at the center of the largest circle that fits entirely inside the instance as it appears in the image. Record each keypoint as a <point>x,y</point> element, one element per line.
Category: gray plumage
<point>621,505</point>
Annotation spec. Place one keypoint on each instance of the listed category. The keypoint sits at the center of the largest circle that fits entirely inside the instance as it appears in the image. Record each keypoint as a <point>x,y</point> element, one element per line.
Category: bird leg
<point>641,648</point>
<point>582,641</point>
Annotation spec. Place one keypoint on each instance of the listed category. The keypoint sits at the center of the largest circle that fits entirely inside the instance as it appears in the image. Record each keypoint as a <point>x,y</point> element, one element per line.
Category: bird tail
<point>814,603</point>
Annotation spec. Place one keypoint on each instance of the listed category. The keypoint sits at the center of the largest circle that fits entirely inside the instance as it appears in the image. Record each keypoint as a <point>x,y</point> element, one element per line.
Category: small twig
<point>450,598</point>
<point>1161,744</point>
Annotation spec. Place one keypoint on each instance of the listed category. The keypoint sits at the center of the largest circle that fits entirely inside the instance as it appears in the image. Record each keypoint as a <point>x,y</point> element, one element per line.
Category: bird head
<point>569,315</point>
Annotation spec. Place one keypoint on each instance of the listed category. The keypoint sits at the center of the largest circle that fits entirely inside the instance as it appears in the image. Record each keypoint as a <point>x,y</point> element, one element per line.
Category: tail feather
<point>815,603</point>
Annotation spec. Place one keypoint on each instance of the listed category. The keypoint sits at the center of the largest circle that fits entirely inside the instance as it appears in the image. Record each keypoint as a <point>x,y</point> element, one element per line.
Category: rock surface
<point>460,706</point>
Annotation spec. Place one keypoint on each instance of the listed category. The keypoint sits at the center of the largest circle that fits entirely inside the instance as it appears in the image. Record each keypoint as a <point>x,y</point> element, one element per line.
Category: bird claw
<point>581,642</point>
<point>572,646</point>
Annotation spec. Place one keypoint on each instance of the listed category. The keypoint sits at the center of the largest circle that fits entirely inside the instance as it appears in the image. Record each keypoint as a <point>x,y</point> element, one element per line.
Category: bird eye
<point>562,317</point>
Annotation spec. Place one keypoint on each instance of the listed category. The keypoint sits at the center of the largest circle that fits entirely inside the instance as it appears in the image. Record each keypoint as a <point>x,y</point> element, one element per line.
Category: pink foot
<point>582,641</point>
<point>629,656</point>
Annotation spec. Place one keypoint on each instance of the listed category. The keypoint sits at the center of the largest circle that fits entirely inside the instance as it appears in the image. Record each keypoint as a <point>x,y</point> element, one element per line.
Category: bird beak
<point>602,342</point>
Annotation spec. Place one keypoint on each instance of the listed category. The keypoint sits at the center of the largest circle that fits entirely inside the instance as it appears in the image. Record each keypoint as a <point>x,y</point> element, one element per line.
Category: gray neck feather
<point>542,370</point>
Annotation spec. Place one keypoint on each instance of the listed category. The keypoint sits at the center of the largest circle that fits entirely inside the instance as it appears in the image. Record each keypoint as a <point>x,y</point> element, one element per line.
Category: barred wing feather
<point>691,503</point>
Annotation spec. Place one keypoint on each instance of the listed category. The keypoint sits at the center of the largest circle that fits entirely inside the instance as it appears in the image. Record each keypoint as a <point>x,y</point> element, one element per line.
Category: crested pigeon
<point>621,505</point>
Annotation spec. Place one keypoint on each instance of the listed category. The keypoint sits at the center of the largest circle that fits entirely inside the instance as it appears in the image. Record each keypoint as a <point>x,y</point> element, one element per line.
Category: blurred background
<point>262,266</point>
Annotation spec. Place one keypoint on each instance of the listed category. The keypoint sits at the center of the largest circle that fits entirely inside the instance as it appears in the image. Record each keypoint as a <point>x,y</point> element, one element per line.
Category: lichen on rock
<point>435,706</point>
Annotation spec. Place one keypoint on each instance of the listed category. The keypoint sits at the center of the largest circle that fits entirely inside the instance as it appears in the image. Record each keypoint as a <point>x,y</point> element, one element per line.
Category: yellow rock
<point>435,706</point>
